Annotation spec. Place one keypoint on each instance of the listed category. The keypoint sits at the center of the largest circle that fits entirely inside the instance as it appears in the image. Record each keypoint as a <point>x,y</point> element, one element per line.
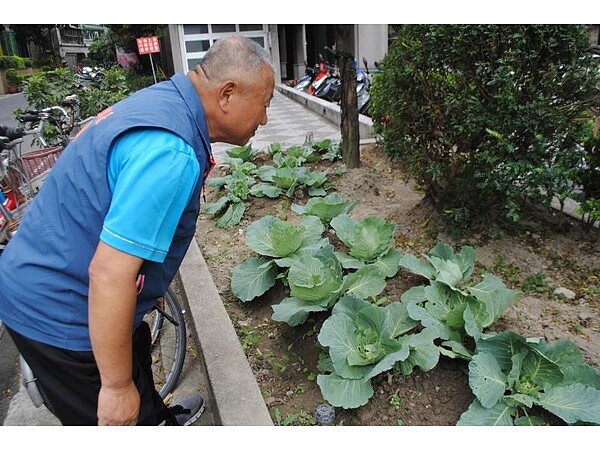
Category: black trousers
<point>70,380</point>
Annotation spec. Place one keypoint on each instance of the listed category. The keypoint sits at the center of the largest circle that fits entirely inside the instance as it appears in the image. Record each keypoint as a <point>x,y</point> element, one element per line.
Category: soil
<point>543,252</point>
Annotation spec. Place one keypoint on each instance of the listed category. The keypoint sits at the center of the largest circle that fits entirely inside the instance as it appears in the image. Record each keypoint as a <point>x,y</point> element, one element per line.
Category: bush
<point>19,61</point>
<point>7,62</point>
<point>14,62</point>
<point>137,82</point>
<point>12,77</point>
<point>479,114</point>
<point>48,88</point>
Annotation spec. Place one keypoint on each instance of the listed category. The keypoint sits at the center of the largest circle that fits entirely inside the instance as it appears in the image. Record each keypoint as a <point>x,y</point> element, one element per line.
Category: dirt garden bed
<point>535,257</point>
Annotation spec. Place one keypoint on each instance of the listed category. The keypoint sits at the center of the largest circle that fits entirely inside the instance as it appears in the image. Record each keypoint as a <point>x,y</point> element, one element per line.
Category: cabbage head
<point>362,340</point>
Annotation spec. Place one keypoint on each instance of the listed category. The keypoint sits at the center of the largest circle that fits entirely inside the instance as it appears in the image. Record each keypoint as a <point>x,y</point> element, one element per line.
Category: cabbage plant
<point>304,153</point>
<point>451,304</point>
<point>325,208</point>
<point>287,179</point>
<point>278,243</point>
<point>229,208</point>
<point>510,374</point>
<point>317,282</point>
<point>369,241</point>
<point>245,153</point>
<point>441,264</point>
<point>363,340</point>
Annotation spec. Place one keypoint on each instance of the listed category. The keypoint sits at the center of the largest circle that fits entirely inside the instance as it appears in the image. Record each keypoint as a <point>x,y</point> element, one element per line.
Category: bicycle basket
<point>39,161</point>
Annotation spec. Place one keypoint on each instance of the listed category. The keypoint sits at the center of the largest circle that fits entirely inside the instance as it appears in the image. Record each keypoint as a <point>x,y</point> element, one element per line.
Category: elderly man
<point>106,234</point>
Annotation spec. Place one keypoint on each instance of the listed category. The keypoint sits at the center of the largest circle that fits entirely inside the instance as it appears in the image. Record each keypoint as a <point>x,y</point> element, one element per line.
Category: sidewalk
<point>289,121</point>
<point>216,367</point>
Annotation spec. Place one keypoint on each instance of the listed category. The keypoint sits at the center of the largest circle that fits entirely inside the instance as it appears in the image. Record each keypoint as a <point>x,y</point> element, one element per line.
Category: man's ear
<point>226,92</point>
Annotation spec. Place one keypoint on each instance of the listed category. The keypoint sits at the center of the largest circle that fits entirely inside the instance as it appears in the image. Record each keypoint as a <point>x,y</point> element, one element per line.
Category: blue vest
<point>44,269</point>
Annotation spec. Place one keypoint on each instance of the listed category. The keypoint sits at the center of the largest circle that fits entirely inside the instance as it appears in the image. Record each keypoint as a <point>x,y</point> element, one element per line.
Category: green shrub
<point>48,88</point>
<point>137,81</point>
<point>12,77</point>
<point>7,62</point>
<point>14,62</point>
<point>19,61</point>
<point>480,113</point>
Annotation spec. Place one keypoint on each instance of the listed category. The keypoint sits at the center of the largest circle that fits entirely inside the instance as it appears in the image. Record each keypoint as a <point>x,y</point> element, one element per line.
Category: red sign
<point>148,45</point>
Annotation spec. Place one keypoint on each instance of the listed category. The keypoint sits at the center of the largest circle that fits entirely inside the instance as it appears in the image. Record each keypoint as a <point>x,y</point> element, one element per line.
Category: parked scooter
<point>309,75</point>
<point>331,87</point>
<point>90,75</point>
<point>363,91</point>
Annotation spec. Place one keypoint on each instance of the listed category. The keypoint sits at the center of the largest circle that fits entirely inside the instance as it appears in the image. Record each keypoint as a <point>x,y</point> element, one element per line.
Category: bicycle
<point>169,341</point>
<point>21,175</point>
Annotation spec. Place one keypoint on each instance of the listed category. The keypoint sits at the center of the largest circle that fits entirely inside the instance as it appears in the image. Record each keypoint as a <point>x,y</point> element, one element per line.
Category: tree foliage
<point>125,35</point>
<point>102,50</point>
<point>481,114</point>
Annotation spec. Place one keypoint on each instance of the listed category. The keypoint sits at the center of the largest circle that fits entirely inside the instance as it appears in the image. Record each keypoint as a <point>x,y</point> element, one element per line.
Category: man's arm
<point>112,299</point>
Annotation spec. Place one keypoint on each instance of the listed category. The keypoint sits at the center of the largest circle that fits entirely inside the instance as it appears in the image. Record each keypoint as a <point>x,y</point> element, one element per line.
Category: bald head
<point>235,58</point>
<point>235,82</point>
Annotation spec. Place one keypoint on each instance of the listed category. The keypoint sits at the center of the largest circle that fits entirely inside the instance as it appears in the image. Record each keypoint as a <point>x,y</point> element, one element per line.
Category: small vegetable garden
<point>345,288</point>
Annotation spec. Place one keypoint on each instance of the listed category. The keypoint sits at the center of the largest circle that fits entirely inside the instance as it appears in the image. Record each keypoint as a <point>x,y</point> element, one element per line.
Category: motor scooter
<point>331,87</point>
<point>309,75</point>
<point>321,76</point>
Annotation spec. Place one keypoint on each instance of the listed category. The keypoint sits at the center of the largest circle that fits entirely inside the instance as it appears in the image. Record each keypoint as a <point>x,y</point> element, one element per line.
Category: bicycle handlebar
<point>12,133</point>
<point>27,117</point>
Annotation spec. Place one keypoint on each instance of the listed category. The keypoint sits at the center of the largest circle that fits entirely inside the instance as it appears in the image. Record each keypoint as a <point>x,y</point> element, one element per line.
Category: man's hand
<point>118,406</point>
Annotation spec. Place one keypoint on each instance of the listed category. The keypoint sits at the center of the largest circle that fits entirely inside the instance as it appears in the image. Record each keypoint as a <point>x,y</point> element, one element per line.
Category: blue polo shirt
<point>147,200</point>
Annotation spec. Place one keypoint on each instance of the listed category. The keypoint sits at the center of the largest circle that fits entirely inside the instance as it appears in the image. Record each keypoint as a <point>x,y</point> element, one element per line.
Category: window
<point>223,28</point>
<point>195,29</point>
<point>192,62</point>
<point>251,27</point>
<point>197,46</point>
<point>197,39</point>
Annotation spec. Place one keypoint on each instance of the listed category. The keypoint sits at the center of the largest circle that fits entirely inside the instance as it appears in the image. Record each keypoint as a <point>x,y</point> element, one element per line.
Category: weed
<point>534,283</point>
<point>395,401</point>
<point>301,418</point>
<point>248,338</point>
<point>279,367</point>
<point>506,271</point>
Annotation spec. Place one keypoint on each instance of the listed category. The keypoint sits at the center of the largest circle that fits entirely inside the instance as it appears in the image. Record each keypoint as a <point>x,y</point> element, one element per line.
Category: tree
<point>35,34</point>
<point>480,114</point>
<point>349,106</point>
<point>124,36</point>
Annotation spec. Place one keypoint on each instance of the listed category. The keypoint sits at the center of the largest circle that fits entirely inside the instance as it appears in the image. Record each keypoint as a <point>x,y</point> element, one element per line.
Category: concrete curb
<point>233,385</point>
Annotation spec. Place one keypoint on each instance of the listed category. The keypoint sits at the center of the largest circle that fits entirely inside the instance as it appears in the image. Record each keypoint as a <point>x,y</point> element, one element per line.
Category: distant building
<point>293,47</point>
<point>71,43</point>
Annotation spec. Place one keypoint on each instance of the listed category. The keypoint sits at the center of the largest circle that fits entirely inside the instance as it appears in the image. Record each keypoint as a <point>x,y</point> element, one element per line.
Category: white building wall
<point>371,41</point>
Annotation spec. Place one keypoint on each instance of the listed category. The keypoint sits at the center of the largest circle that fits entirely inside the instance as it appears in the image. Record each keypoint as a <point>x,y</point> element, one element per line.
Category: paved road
<point>9,373</point>
<point>9,369</point>
<point>8,104</point>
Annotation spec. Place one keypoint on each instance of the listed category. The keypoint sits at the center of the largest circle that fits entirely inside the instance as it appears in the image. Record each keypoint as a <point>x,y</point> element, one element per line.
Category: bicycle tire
<point>169,340</point>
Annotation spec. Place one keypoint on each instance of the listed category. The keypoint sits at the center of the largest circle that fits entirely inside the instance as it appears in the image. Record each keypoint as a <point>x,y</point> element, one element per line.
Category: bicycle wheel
<point>169,339</point>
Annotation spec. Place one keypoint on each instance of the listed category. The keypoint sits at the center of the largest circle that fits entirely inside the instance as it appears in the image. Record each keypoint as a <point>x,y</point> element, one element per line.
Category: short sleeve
<point>152,174</point>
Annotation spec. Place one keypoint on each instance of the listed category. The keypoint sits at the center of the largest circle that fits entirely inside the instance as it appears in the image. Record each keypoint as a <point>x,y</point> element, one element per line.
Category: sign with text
<point>148,45</point>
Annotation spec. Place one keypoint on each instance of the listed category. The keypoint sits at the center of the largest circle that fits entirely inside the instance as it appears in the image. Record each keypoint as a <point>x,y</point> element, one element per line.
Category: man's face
<point>249,109</point>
